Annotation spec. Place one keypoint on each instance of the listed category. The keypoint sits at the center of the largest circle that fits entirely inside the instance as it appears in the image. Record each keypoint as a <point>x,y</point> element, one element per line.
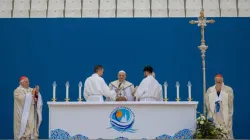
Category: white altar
<point>126,120</point>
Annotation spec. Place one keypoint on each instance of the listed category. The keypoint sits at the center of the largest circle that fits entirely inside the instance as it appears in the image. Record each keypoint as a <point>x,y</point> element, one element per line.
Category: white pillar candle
<point>54,89</point>
<point>67,90</point>
<point>165,90</point>
<point>80,90</point>
<point>189,90</point>
<point>177,89</point>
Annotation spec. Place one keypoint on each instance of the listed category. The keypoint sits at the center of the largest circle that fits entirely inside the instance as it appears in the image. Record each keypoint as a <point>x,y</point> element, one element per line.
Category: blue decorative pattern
<point>79,137</point>
<point>63,135</point>
<point>121,138</point>
<point>183,134</point>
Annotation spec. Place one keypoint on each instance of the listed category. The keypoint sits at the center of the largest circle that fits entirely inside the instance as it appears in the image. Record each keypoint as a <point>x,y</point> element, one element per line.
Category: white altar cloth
<point>110,120</point>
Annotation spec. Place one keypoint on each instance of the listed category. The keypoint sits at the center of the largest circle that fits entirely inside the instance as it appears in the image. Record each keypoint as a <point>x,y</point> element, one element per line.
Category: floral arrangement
<point>207,129</point>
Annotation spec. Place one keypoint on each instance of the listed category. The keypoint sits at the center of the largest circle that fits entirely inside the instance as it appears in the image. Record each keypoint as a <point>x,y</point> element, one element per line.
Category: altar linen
<point>149,89</point>
<point>95,88</point>
<point>27,111</point>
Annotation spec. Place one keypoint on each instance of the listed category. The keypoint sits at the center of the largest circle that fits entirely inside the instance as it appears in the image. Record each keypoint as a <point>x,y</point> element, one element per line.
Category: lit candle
<point>189,89</point>
<point>178,89</point>
<point>67,89</point>
<point>54,90</point>
<point>165,90</point>
<point>80,89</point>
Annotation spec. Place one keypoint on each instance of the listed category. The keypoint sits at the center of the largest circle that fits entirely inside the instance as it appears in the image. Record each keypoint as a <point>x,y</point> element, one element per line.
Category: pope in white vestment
<point>219,101</point>
<point>95,87</point>
<point>125,88</point>
<point>149,89</point>
<point>27,111</point>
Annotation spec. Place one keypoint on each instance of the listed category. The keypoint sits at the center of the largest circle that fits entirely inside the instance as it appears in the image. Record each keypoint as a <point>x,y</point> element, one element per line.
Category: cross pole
<point>202,22</point>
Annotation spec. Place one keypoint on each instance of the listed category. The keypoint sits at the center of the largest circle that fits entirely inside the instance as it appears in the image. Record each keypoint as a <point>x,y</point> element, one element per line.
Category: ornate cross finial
<point>202,13</point>
<point>202,22</point>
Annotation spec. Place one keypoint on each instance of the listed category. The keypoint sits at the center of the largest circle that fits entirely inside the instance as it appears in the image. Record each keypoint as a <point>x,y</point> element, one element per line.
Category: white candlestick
<point>189,90</point>
<point>54,90</point>
<point>165,90</point>
<point>80,90</point>
<point>67,90</point>
<point>178,89</point>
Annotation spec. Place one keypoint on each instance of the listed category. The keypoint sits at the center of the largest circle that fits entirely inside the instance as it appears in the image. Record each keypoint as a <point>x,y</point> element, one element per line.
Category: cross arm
<point>210,21</point>
<point>193,22</point>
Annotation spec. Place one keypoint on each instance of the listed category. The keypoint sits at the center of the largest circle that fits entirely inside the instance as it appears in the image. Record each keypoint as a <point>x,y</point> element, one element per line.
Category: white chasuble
<point>219,108</point>
<point>227,103</point>
<point>125,89</point>
<point>27,114</point>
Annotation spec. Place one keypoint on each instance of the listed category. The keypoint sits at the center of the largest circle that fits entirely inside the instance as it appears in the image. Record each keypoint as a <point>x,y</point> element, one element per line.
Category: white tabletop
<point>126,103</point>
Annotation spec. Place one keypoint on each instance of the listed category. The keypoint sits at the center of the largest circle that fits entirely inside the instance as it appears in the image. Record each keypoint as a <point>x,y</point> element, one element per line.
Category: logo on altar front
<point>122,120</point>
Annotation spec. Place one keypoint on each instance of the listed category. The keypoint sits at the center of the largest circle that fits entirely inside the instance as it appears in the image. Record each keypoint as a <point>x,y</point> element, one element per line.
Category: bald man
<point>219,101</point>
<point>124,88</point>
<point>27,111</point>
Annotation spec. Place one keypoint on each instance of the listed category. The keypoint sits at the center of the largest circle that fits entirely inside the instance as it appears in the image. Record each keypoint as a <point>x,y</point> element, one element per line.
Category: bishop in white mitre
<point>124,88</point>
<point>149,89</point>
<point>95,87</point>
<point>27,111</point>
<point>219,101</point>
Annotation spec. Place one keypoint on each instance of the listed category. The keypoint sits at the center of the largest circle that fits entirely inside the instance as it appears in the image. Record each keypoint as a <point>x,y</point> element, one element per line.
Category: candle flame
<point>80,84</point>
<point>67,84</point>
<point>177,84</point>
<point>165,83</point>
<point>54,84</point>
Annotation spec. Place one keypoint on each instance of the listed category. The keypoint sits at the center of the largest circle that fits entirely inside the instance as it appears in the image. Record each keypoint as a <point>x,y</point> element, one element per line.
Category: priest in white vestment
<point>27,111</point>
<point>125,89</point>
<point>149,89</point>
<point>95,87</point>
<point>219,102</point>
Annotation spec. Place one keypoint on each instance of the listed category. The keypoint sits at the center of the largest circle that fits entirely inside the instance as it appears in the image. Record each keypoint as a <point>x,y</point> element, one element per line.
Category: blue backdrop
<point>48,50</point>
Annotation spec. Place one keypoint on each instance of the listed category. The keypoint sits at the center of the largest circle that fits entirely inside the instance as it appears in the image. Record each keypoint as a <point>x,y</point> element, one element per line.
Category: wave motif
<point>63,135</point>
<point>122,127</point>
